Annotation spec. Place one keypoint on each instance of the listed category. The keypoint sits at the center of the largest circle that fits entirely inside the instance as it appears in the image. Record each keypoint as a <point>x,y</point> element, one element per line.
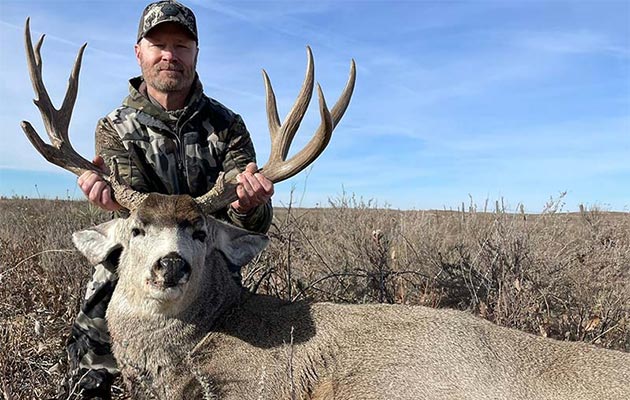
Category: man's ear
<point>239,246</point>
<point>98,242</point>
<point>136,50</point>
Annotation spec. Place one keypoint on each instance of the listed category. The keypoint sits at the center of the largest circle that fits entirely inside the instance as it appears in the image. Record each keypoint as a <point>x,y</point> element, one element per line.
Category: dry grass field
<point>556,274</point>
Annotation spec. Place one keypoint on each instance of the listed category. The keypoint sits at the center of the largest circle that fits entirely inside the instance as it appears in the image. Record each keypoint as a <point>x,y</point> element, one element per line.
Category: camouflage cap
<point>166,11</point>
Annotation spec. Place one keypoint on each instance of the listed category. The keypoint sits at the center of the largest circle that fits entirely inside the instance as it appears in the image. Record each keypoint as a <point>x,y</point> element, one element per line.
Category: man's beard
<point>168,82</point>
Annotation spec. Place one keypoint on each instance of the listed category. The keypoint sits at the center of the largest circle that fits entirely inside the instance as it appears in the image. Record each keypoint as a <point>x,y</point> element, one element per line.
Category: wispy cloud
<point>576,42</point>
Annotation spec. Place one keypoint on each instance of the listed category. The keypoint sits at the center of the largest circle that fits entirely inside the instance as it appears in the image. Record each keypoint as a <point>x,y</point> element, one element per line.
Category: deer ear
<point>239,246</point>
<point>98,242</point>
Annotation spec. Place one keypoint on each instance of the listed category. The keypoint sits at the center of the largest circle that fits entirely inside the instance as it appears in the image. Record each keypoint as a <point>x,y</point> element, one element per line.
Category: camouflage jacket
<point>179,152</point>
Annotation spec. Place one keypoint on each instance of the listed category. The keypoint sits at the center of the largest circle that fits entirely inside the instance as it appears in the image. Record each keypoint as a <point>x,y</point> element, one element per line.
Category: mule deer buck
<point>183,329</point>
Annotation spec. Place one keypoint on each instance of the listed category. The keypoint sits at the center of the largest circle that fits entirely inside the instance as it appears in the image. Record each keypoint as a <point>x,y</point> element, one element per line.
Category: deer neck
<point>151,347</point>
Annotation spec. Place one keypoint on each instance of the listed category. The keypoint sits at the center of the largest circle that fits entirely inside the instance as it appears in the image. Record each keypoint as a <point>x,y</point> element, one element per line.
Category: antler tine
<point>282,135</point>
<point>342,104</point>
<point>273,120</point>
<point>277,169</point>
<point>56,121</point>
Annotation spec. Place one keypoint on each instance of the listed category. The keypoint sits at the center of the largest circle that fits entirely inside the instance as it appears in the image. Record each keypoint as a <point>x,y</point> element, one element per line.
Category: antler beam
<point>60,152</point>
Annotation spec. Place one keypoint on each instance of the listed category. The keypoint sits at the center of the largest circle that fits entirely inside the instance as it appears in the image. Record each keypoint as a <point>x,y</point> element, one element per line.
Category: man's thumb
<point>100,162</point>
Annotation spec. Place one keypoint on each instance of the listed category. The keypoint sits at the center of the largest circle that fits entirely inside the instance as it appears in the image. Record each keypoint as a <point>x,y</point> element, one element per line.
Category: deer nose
<point>171,270</point>
<point>170,262</point>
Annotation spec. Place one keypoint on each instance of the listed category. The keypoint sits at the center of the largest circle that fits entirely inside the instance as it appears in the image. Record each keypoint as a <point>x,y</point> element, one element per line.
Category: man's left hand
<point>253,190</point>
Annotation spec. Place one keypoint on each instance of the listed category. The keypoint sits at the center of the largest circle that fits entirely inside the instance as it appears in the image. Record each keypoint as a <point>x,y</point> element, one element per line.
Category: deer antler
<point>60,152</point>
<point>56,121</point>
<point>278,168</point>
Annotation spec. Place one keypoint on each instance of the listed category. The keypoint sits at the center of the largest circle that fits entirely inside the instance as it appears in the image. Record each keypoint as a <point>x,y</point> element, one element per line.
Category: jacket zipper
<point>181,150</point>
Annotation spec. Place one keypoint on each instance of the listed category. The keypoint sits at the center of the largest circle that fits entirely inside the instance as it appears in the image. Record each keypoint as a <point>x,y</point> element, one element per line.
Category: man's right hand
<point>97,191</point>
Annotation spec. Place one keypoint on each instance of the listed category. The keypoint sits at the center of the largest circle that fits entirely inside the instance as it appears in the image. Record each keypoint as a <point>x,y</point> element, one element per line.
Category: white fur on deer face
<point>163,248</point>
<point>164,263</point>
<point>166,248</point>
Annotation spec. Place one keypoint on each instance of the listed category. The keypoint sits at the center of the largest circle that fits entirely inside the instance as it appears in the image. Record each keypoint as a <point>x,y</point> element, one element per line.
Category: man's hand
<point>254,189</point>
<point>97,191</point>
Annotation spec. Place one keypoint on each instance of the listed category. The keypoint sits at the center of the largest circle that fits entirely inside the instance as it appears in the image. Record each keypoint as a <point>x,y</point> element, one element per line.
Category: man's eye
<point>199,235</point>
<point>137,232</point>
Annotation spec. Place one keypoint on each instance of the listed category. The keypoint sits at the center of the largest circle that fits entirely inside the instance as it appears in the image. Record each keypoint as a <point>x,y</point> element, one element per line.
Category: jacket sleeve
<point>132,166</point>
<point>240,152</point>
<point>108,146</point>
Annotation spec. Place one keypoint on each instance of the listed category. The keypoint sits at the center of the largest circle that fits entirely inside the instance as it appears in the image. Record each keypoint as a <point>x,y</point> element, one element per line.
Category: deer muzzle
<point>169,271</point>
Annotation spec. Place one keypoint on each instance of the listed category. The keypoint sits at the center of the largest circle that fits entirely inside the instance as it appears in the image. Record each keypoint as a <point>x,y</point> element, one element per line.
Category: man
<point>167,137</point>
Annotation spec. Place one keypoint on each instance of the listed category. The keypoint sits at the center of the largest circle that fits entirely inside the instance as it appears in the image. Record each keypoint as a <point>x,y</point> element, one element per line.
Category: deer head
<point>165,250</point>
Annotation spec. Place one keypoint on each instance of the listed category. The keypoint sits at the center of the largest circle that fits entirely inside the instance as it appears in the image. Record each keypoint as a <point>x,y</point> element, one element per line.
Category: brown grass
<point>557,274</point>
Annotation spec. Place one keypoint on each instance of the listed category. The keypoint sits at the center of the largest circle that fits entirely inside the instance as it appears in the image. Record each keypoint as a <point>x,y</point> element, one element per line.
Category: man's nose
<point>168,54</point>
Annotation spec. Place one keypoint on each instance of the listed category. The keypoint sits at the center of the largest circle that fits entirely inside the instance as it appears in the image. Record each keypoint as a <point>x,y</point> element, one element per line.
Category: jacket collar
<point>138,99</point>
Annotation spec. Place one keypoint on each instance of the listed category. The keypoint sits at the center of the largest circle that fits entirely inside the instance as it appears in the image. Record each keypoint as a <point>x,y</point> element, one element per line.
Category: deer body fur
<point>215,341</point>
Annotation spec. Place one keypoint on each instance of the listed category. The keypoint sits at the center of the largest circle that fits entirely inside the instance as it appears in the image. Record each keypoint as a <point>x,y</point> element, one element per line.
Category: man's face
<point>167,56</point>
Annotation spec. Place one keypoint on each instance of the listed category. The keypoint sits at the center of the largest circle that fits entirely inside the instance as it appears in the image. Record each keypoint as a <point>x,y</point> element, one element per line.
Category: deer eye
<point>199,235</point>
<point>137,232</point>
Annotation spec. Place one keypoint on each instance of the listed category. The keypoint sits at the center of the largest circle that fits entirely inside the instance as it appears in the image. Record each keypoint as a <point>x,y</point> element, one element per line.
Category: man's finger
<point>106,198</point>
<point>84,176</point>
<point>108,202</point>
<point>243,202</point>
<point>266,184</point>
<point>251,168</point>
<point>90,178</point>
<point>255,184</point>
<point>95,193</point>
<point>246,184</point>
<point>100,163</point>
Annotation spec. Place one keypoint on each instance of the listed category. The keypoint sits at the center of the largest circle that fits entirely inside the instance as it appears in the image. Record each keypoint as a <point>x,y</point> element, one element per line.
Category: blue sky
<point>454,99</point>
